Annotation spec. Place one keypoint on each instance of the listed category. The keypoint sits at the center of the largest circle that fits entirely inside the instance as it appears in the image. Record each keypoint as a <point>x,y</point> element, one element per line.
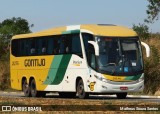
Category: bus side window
<point>62,44</point>
<point>44,46</point>
<point>56,44</point>
<point>15,47</point>
<point>68,44</point>
<point>26,47</point>
<point>91,57</point>
<point>89,49</point>
<point>76,45</point>
<point>87,37</point>
<point>39,46</point>
<point>32,46</point>
<point>50,45</point>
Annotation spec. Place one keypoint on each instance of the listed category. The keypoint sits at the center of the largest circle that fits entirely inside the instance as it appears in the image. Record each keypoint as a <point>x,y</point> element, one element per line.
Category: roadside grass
<point>152,67</point>
<point>4,75</point>
<point>112,106</point>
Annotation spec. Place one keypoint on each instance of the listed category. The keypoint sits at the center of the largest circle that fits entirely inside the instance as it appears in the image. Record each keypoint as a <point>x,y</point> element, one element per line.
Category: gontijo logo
<point>34,62</point>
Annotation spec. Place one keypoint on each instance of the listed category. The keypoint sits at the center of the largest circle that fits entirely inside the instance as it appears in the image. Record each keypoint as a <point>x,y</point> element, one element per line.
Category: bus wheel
<point>26,89</point>
<point>80,90</point>
<point>34,92</point>
<point>121,95</point>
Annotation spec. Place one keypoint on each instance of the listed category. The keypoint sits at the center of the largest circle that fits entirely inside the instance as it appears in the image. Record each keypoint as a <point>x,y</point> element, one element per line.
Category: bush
<point>4,75</point>
<point>152,67</point>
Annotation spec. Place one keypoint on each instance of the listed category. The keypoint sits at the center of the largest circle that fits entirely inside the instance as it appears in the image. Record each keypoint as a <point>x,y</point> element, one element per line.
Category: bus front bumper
<point>117,87</point>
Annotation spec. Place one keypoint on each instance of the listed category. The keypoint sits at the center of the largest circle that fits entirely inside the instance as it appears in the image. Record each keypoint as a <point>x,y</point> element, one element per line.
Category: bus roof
<point>96,29</point>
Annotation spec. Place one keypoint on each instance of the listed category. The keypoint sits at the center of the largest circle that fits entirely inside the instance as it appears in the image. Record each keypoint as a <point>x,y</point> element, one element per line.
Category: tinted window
<point>48,45</point>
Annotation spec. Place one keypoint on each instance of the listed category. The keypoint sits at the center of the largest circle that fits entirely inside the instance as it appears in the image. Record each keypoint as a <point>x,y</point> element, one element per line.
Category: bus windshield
<point>120,56</point>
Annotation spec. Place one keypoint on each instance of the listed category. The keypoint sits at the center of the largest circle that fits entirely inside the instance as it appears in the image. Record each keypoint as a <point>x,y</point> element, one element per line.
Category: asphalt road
<point>92,97</point>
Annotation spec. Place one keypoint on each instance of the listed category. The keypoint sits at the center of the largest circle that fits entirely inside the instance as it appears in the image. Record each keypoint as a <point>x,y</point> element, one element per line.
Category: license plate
<point>123,88</point>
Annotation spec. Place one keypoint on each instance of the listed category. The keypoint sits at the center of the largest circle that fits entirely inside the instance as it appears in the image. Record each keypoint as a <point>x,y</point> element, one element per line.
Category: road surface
<point>131,98</point>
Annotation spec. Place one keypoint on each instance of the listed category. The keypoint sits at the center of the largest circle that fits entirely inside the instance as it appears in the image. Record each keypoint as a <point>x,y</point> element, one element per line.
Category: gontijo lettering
<point>34,62</point>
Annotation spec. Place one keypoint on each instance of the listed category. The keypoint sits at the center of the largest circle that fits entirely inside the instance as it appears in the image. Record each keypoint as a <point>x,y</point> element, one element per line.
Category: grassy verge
<point>4,75</point>
<point>74,105</point>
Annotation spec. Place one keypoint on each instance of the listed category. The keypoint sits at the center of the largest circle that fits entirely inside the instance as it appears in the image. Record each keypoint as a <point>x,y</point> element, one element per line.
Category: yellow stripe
<point>76,64</point>
<point>116,78</point>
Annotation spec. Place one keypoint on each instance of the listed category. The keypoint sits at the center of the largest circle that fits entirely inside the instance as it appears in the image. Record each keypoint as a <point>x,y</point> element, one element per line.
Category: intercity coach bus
<point>78,60</point>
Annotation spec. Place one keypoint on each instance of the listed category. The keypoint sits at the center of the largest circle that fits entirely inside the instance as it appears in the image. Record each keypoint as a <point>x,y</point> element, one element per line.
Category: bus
<point>78,60</point>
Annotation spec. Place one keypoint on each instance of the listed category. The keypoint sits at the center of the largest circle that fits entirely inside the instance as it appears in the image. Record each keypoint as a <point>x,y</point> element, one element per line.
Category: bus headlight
<point>141,78</point>
<point>100,78</point>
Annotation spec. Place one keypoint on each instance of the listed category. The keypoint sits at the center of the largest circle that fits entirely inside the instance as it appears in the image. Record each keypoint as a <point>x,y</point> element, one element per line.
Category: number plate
<point>123,88</point>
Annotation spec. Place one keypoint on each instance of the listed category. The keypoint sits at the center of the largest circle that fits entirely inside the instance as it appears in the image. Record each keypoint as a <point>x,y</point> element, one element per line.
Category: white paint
<point>73,27</point>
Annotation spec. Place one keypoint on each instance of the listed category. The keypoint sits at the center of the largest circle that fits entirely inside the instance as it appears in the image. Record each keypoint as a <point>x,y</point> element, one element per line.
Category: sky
<point>45,14</point>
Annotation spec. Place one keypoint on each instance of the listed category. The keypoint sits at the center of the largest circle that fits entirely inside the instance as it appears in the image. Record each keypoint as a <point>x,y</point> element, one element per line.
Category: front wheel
<point>80,90</point>
<point>121,95</point>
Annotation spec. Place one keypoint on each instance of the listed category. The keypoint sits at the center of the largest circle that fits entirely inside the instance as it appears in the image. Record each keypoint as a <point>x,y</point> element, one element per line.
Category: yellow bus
<point>78,59</point>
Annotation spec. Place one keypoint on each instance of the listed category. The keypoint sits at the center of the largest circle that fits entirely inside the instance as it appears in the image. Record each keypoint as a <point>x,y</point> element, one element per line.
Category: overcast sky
<point>46,14</point>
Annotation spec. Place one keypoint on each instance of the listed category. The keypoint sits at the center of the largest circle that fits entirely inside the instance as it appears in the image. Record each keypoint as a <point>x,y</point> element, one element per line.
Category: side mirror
<point>147,49</point>
<point>96,47</point>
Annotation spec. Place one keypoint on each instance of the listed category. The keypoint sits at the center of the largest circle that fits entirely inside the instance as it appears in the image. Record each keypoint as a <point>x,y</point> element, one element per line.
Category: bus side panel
<point>30,67</point>
<point>76,68</point>
<point>38,75</point>
<point>15,82</point>
<point>64,71</point>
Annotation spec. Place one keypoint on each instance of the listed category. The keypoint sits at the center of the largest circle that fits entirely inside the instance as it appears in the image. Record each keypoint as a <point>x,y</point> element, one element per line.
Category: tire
<point>34,92</point>
<point>26,89</point>
<point>121,95</point>
<point>67,94</point>
<point>80,90</point>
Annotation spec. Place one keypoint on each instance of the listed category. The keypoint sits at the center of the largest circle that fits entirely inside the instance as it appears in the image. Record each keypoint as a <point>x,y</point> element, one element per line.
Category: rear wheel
<point>80,90</point>
<point>34,92</point>
<point>26,89</point>
<point>121,95</point>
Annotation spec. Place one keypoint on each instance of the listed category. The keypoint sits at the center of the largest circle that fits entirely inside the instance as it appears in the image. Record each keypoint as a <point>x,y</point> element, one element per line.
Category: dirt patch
<point>157,93</point>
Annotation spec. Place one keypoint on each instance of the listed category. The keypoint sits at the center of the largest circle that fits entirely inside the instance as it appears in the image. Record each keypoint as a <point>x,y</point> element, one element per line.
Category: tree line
<point>9,28</point>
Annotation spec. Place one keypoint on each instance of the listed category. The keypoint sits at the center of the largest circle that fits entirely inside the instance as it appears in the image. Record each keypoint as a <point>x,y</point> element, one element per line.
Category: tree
<point>153,11</point>
<point>10,27</point>
<point>142,30</point>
